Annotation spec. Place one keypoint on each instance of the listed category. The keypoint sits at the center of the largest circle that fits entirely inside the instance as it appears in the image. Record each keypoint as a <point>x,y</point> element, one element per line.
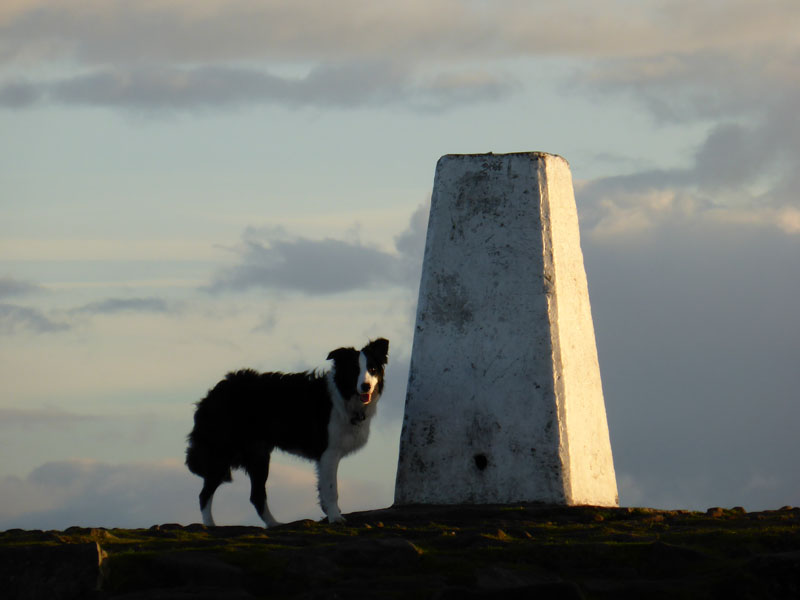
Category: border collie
<point>320,416</point>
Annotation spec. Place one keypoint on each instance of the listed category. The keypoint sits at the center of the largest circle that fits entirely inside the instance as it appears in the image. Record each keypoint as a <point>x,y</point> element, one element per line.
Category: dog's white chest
<point>346,437</point>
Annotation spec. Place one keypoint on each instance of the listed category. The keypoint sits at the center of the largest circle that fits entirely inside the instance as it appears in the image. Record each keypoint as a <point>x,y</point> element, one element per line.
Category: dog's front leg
<point>327,485</point>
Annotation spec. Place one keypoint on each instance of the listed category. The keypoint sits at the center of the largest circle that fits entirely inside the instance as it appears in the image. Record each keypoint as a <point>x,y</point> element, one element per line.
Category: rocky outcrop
<point>59,572</point>
<point>422,552</point>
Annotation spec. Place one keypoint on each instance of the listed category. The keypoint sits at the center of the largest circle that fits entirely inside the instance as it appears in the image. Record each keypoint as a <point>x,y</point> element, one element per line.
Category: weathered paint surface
<point>504,400</point>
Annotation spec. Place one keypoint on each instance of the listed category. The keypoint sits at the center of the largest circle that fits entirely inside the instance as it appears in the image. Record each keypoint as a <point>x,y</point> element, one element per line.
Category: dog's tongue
<point>365,398</point>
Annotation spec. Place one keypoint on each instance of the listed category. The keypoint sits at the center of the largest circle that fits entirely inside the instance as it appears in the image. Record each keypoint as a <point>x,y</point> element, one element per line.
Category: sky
<point>189,187</point>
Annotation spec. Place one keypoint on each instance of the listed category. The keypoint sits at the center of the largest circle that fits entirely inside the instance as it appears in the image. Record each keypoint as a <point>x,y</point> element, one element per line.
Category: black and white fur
<point>320,416</point>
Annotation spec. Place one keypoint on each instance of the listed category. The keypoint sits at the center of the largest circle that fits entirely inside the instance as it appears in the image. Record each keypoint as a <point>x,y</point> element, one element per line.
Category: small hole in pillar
<point>481,461</point>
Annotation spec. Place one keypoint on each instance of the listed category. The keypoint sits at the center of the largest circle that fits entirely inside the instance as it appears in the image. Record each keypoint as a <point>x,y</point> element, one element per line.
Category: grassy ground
<point>432,552</point>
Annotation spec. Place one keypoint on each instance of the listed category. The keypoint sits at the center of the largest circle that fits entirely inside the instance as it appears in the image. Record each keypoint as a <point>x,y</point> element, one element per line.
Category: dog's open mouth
<point>365,398</point>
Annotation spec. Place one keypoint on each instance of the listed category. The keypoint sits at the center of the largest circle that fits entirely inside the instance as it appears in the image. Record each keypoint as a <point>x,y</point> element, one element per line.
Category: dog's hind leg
<point>258,470</point>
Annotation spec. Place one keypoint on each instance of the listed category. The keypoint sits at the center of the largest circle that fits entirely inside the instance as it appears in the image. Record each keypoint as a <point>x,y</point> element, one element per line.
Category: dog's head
<point>358,374</point>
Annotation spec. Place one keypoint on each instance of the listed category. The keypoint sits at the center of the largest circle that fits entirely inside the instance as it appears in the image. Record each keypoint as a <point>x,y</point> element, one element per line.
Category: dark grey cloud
<point>19,94</point>
<point>342,85</point>
<point>270,259</point>
<point>16,287</point>
<point>121,305</point>
<point>690,84</point>
<point>310,266</point>
<point>693,272</point>
<point>698,334</point>
<point>14,319</point>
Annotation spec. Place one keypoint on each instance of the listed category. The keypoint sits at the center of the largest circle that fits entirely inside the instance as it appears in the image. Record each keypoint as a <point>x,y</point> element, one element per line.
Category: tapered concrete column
<point>504,400</point>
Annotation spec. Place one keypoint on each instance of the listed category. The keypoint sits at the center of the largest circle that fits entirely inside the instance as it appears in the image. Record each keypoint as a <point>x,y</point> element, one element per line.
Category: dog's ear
<point>379,349</point>
<point>335,355</point>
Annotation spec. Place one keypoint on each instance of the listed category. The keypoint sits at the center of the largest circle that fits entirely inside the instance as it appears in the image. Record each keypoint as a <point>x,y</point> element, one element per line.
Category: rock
<point>62,572</point>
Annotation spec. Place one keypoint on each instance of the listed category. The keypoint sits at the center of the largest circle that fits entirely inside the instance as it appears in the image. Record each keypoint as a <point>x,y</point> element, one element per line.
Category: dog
<point>321,416</point>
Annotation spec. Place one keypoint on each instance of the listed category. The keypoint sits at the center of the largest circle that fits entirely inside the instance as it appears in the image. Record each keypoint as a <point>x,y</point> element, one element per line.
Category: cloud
<point>271,259</point>
<point>220,54</point>
<point>310,266</point>
<point>90,493</point>
<point>15,287</point>
<point>743,88</point>
<point>342,85</point>
<point>709,83</point>
<point>224,30</point>
<point>15,319</point>
<point>212,30</point>
<point>410,243</point>
<point>745,173</point>
<point>427,56</point>
<point>697,330</point>
<point>111,306</point>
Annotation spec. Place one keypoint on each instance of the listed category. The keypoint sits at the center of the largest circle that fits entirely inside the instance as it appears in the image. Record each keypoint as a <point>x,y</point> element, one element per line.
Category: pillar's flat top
<point>531,154</point>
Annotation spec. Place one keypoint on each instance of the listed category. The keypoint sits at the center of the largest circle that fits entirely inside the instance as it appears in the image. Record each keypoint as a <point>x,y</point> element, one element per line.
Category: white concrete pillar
<point>504,400</point>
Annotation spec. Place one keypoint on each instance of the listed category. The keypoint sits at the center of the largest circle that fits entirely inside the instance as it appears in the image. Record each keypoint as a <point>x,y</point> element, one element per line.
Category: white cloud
<point>740,173</point>
<point>632,213</point>
<point>786,219</point>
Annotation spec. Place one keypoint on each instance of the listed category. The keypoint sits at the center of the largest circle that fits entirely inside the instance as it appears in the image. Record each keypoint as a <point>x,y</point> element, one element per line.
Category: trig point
<point>504,400</point>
